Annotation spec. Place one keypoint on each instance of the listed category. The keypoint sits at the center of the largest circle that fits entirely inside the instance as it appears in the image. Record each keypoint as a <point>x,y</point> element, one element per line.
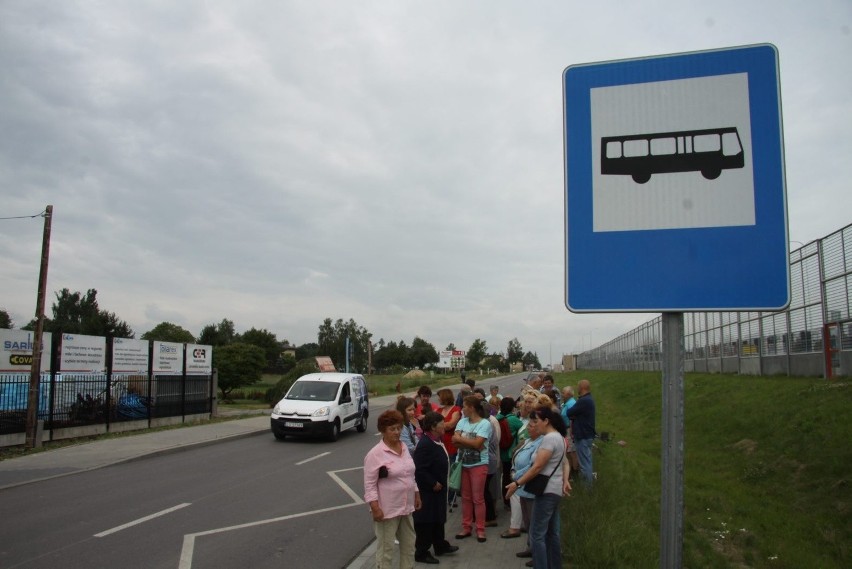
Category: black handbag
<point>537,485</point>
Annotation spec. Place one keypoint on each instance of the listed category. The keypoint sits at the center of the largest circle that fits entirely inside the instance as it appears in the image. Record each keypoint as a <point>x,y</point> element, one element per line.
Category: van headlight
<point>321,412</point>
<point>277,409</point>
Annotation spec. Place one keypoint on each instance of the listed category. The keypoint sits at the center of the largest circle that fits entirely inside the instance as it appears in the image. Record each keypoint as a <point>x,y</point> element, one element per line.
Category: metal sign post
<point>671,503</point>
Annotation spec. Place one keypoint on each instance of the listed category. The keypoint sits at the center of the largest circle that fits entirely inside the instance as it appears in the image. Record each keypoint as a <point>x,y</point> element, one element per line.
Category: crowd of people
<point>519,452</point>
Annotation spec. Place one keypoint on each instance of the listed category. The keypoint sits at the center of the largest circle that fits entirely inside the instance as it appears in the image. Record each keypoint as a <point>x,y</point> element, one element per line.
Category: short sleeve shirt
<point>481,428</point>
<point>556,444</point>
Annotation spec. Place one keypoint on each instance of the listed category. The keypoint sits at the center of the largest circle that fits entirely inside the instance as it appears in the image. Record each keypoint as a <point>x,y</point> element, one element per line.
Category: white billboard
<point>16,351</point>
<point>452,359</point>
<point>199,359</point>
<point>167,359</point>
<point>82,354</point>
<point>130,356</point>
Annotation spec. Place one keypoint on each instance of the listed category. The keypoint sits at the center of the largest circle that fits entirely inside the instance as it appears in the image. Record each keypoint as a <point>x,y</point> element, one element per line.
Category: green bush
<point>279,390</point>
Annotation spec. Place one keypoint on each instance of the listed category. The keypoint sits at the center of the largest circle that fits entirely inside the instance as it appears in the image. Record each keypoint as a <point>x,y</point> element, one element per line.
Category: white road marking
<point>344,486</point>
<point>141,520</point>
<point>312,458</point>
<point>188,549</point>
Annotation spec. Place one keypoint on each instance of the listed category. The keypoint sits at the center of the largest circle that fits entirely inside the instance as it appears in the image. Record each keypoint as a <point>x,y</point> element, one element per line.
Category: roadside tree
<point>266,341</point>
<point>220,334</point>
<point>239,365</point>
<point>531,361</point>
<point>421,353</point>
<point>495,361</point>
<point>168,332</point>
<point>391,354</point>
<point>5,319</point>
<point>305,351</point>
<point>286,362</point>
<point>78,313</point>
<point>331,338</point>
<point>475,354</point>
<point>514,352</point>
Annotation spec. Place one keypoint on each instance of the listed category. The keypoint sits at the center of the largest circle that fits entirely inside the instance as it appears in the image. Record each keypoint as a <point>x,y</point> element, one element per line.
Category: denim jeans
<point>544,532</point>
<point>584,454</point>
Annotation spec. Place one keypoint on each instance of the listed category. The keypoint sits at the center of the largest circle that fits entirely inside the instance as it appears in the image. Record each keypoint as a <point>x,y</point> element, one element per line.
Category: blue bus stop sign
<point>674,184</point>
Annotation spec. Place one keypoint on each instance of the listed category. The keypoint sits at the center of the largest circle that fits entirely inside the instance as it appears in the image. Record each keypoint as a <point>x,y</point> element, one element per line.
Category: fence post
<point>214,387</point>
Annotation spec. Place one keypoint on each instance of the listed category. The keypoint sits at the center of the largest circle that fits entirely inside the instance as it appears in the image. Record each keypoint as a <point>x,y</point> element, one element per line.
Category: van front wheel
<point>335,431</point>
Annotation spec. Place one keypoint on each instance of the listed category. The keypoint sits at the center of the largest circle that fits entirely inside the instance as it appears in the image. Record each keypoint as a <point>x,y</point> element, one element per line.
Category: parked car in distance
<point>322,405</point>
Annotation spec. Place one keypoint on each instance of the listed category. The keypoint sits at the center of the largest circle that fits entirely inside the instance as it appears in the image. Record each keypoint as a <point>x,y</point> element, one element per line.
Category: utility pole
<point>35,371</point>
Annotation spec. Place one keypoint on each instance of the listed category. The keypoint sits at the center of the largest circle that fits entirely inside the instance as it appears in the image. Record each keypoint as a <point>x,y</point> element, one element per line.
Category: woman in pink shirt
<point>391,492</point>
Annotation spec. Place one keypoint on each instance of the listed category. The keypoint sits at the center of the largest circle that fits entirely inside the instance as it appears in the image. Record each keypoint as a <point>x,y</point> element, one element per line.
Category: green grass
<point>252,396</point>
<point>387,384</point>
<point>768,468</point>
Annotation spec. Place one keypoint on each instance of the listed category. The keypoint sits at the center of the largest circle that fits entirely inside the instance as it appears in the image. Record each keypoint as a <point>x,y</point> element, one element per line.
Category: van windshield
<point>313,391</point>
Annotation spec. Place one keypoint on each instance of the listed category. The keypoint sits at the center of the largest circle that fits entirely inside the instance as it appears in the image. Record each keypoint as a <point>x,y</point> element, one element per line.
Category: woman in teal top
<point>471,440</point>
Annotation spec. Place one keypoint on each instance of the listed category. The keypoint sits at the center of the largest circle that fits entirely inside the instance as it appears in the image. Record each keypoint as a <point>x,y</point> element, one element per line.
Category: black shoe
<point>526,553</point>
<point>426,558</point>
<point>448,549</point>
<point>530,563</point>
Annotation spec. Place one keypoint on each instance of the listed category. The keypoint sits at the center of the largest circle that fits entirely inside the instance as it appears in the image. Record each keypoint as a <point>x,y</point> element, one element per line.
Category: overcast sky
<point>399,163</point>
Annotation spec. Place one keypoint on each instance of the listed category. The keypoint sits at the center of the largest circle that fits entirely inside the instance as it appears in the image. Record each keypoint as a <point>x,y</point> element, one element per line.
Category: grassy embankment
<point>768,468</point>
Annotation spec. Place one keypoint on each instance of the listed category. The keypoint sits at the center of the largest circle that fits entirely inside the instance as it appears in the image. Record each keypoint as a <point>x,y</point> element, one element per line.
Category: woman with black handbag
<point>546,480</point>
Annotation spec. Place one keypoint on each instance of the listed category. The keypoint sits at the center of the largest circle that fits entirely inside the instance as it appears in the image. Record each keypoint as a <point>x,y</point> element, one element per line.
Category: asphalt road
<point>253,502</point>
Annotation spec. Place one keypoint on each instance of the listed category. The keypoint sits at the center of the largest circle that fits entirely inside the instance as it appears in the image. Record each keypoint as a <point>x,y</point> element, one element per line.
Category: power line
<point>39,214</point>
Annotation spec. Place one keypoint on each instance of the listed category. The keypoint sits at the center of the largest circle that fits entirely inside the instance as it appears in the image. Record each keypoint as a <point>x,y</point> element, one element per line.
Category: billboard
<point>325,364</point>
<point>451,359</point>
<point>167,358</point>
<point>199,359</point>
<point>16,351</point>
<point>82,354</point>
<point>130,356</point>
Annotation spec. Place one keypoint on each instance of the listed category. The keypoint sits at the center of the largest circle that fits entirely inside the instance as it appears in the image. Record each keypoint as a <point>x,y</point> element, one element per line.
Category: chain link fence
<point>813,337</point>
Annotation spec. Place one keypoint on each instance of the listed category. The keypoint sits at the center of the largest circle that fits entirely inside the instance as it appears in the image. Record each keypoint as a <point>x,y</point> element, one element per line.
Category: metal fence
<point>73,400</point>
<point>813,337</point>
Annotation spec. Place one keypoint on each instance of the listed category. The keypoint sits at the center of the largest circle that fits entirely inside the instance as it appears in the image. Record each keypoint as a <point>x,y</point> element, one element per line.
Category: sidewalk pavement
<point>496,553</point>
<point>105,452</point>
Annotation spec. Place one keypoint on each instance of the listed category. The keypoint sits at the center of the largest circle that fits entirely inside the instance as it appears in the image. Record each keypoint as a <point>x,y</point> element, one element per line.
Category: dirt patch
<point>747,446</point>
<point>415,373</point>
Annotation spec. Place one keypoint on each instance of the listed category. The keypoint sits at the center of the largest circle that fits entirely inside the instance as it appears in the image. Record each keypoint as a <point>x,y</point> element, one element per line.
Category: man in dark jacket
<point>583,416</point>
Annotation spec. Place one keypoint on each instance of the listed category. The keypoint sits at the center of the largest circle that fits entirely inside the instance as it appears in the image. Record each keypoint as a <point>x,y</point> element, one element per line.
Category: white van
<point>322,404</point>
